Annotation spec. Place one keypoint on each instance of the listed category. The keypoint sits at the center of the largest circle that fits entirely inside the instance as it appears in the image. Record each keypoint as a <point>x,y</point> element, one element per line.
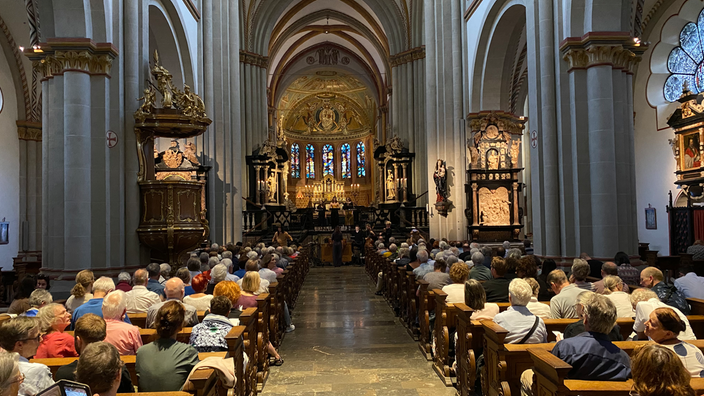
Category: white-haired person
<point>644,302</point>
<point>124,336</point>
<point>10,376</point>
<point>613,290</point>
<point>535,306</point>
<point>23,336</point>
<point>227,262</point>
<point>101,288</point>
<point>124,282</point>
<point>522,325</point>
<point>56,343</point>
<point>164,272</point>
<point>38,299</point>
<point>218,273</point>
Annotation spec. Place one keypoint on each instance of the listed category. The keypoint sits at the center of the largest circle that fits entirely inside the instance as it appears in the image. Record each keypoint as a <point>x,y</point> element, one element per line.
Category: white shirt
<point>37,377</point>
<point>232,277</point>
<point>266,273</point>
<point>518,321</point>
<point>643,310</point>
<point>72,303</point>
<point>622,301</point>
<point>139,299</point>
<point>538,309</point>
<point>201,303</point>
<point>691,285</point>
<point>263,286</point>
<point>691,357</point>
<point>455,293</point>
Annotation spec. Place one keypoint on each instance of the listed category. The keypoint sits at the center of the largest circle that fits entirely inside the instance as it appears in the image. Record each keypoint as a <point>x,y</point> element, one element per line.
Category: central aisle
<point>348,342</point>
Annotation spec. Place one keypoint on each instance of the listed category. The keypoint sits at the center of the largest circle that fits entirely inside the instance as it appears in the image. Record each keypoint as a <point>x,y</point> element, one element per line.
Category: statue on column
<point>440,179</point>
<point>271,187</point>
<point>390,186</point>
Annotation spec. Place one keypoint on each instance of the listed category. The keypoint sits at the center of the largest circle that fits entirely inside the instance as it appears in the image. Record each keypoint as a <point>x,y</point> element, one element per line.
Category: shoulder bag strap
<point>531,331</point>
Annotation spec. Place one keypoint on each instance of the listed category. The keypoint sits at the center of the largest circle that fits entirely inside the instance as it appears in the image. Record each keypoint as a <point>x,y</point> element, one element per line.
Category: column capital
<point>28,130</point>
<point>253,59</point>
<point>616,49</point>
<point>409,56</point>
<point>59,55</point>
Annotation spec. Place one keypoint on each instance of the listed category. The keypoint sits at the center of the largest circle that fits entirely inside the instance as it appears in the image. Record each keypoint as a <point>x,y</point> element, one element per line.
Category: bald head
<point>141,277</point>
<point>174,288</point>
<point>609,268</point>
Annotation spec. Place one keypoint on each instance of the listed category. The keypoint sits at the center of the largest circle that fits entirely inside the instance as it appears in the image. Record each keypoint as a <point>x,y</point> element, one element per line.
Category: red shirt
<point>56,345</point>
<point>124,286</point>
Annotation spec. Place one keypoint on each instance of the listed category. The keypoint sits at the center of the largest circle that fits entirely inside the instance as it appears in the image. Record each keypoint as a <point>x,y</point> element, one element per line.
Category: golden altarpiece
<point>493,176</point>
<point>171,183</point>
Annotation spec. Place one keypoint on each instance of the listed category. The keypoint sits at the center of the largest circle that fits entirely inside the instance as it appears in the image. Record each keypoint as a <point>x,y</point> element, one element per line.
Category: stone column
<point>30,136</point>
<point>445,105</point>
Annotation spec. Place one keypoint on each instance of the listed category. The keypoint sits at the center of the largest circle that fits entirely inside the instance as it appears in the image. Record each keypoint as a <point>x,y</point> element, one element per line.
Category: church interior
<point>360,146</point>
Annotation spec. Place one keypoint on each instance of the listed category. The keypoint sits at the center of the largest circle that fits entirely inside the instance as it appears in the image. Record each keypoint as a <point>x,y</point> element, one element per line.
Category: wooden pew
<point>263,303</point>
<point>470,335</point>
<point>140,319</point>
<point>177,393</point>
<point>274,312</point>
<point>248,319</point>
<point>696,305</point>
<point>551,379</point>
<point>412,307</point>
<point>426,300</point>
<point>235,349</point>
<point>445,323</point>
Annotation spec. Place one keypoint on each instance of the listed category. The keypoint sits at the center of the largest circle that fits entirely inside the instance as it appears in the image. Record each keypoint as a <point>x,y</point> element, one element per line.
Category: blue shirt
<point>518,320</point>
<point>188,290</point>
<point>422,270</point>
<point>593,357</point>
<point>240,273</point>
<point>156,287</point>
<point>691,285</point>
<point>93,306</point>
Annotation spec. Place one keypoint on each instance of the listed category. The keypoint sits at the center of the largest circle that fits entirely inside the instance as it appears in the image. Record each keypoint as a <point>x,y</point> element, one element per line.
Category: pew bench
<point>140,319</point>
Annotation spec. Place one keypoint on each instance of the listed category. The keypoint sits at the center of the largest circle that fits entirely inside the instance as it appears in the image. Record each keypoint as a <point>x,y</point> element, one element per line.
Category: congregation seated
<point>174,291</point>
<point>479,271</point>
<point>644,302</point>
<point>90,329</point>
<point>534,306</point>
<point>689,284</point>
<point>38,299</point>
<point>577,328</point>
<point>591,354</point>
<point>663,326</point>
<point>198,298</point>
<point>217,273</point>
<point>403,257</point>
<point>438,278</point>
<point>475,298</point>
<point>613,290</point>
<point>250,285</point>
<point>547,293</point>
<point>242,264</point>
<point>579,273</point>
<point>164,364</point>
<point>53,320</point>
<point>232,292</point>
<point>203,258</point>
<point>424,266</point>
<point>594,265</point>
<point>658,372</point>
<point>82,292</point>
<point>497,288</point>
<point>185,275</point>
<point>608,268</point>
<point>455,291</point>
<point>253,266</point>
<point>10,376</point>
<point>268,264</point>
<point>209,335</point>
<point>20,300</point>
<point>562,306</point>
<point>22,335</point>
<point>153,285</point>
<point>522,325</point>
<point>100,367</point>
<point>124,282</point>
<point>43,282</point>
<point>101,288</point>
<point>653,279</point>
<point>626,271</point>
<point>193,265</point>
<point>139,299</point>
<point>124,336</point>
<point>164,273</point>
<point>696,250</point>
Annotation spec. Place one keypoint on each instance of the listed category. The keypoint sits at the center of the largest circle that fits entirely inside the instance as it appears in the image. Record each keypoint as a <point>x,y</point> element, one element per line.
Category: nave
<point>348,342</point>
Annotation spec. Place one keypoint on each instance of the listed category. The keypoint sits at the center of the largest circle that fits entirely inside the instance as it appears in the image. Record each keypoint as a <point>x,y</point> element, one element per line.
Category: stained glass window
<point>310,162</point>
<point>328,163</point>
<point>295,161</point>
<point>685,62</point>
<point>345,160</point>
<point>361,171</point>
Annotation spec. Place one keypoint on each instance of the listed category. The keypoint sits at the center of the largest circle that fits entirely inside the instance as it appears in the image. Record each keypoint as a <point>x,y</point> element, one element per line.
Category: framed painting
<point>4,233</point>
<point>651,220</point>
<point>690,156</point>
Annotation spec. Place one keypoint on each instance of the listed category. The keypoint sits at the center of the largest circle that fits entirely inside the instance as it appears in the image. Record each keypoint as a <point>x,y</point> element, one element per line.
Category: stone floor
<point>348,342</point>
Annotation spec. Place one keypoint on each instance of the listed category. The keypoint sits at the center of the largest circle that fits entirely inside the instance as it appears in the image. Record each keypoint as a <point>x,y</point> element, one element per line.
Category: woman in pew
<point>456,291</point>
<point>209,335</point>
<point>539,309</point>
<point>23,336</point>
<point>663,326</point>
<point>475,298</point>
<point>232,292</point>
<point>10,376</point>
<point>250,286</point>
<point>613,290</point>
<point>82,292</point>
<point>658,372</point>
<point>164,365</point>
<point>53,320</point>
<point>199,299</point>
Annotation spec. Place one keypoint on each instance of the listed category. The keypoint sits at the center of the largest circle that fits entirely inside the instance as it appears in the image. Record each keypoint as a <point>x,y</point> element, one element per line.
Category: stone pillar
<point>75,102</point>
<point>445,105</point>
<point>30,136</point>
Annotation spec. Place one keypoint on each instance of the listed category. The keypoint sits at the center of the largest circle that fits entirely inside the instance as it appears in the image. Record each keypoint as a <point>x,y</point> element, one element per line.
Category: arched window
<point>361,160</point>
<point>310,162</point>
<point>345,160</point>
<point>295,161</point>
<point>328,163</point>
<point>685,62</point>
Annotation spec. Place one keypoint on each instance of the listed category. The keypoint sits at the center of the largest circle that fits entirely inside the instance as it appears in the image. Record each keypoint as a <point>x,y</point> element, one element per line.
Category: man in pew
<point>646,301</point>
<point>497,288</point>
<point>689,283</point>
<point>478,271</point>
<point>139,299</point>
<point>124,336</point>
<point>579,273</point>
<point>522,325</point>
<point>154,271</point>
<point>174,290</point>
<point>562,306</point>
<point>101,288</point>
<point>424,266</point>
<point>90,329</point>
<point>99,367</point>
<point>438,278</point>
<point>608,268</point>
<point>592,355</point>
<point>577,328</point>
<point>653,279</point>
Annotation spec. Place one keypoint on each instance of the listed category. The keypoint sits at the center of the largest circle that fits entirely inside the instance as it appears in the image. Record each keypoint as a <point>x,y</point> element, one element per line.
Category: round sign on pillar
<point>534,139</point>
<point>111,139</point>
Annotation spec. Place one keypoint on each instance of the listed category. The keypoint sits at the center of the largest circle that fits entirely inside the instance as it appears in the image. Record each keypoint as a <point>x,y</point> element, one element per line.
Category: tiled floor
<point>348,342</point>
